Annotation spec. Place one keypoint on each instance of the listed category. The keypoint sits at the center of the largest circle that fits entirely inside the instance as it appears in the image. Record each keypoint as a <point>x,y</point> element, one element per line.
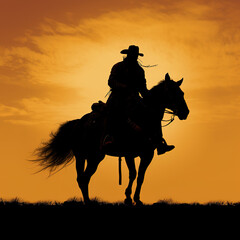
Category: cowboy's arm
<point>114,78</point>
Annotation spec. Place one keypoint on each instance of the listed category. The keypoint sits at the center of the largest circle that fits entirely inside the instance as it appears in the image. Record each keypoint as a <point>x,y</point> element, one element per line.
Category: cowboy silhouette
<point>127,81</point>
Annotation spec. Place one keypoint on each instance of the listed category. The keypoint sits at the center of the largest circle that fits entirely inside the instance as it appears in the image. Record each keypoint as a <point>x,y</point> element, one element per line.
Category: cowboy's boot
<point>162,147</point>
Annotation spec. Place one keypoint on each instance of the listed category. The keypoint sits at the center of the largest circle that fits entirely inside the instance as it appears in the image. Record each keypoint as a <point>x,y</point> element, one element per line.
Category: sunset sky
<point>55,59</point>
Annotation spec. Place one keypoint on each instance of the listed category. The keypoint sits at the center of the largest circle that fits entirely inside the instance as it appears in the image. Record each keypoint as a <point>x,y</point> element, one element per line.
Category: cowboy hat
<point>132,50</point>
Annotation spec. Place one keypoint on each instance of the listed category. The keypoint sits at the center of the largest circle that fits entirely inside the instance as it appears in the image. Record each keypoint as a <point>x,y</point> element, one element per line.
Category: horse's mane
<point>155,94</point>
<point>157,89</point>
<point>158,86</point>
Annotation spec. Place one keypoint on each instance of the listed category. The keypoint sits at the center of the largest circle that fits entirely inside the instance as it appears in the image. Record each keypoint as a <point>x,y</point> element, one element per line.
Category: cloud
<point>185,40</point>
<point>8,111</point>
<point>35,111</point>
<point>181,35</point>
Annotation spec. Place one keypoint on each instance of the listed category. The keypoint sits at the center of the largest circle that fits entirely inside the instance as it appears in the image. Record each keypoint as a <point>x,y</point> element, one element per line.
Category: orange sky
<point>55,59</point>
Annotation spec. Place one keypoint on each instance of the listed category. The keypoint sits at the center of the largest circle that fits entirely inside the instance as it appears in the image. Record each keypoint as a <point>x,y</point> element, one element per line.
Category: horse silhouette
<point>81,138</point>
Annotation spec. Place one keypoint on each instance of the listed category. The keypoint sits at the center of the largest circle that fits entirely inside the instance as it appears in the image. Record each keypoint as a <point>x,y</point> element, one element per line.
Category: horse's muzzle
<point>183,114</point>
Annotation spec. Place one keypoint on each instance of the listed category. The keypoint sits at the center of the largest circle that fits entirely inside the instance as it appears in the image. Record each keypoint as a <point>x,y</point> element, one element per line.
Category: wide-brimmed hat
<point>132,50</point>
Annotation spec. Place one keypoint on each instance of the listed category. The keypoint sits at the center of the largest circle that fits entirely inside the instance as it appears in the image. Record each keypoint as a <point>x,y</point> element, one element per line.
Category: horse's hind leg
<point>84,177</point>
<point>80,164</point>
<point>132,175</point>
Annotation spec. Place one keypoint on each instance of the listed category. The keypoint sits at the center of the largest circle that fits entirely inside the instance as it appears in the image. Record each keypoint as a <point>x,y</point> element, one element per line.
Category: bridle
<point>169,121</point>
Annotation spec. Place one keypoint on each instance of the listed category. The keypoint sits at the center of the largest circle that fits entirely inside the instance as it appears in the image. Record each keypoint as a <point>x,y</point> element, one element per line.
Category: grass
<point>164,214</point>
<point>97,204</point>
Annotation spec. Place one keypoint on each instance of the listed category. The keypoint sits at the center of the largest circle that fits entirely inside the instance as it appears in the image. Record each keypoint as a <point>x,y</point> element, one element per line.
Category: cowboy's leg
<point>113,118</point>
<point>162,146</point>
<point>154,128</point>
<point>135,114</point>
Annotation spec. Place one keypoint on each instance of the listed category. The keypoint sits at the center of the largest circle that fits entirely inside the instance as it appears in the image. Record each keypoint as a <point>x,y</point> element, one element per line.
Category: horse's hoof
<point>128,201</point>
<point>88,202</point>
<point>138,203</point>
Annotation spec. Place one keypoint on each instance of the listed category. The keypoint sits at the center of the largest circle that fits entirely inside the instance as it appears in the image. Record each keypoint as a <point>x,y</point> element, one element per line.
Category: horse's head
<point>174,97</point>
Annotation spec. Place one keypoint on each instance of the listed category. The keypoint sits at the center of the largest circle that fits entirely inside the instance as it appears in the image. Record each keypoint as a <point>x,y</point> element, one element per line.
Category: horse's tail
<point>57,151</point>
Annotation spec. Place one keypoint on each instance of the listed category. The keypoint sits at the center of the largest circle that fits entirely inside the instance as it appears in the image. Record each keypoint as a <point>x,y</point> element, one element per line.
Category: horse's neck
<point>161,111</point>
<point>155,101</point>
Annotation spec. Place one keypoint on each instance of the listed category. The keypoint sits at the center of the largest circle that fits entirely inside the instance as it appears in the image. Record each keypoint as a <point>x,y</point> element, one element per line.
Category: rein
<point>169,121</point>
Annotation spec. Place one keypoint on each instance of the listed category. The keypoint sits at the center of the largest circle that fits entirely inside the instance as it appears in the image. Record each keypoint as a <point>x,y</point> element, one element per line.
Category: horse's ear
<point>167,77</point>
<point>179,82</point>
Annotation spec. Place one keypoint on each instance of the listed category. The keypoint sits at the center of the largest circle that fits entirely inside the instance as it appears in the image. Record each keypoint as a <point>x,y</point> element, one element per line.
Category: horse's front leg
<point>144,163</point>
<point>132,175</point>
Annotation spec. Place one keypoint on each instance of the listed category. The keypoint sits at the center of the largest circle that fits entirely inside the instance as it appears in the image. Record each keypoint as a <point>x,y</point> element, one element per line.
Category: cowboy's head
<point>132,53</point>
